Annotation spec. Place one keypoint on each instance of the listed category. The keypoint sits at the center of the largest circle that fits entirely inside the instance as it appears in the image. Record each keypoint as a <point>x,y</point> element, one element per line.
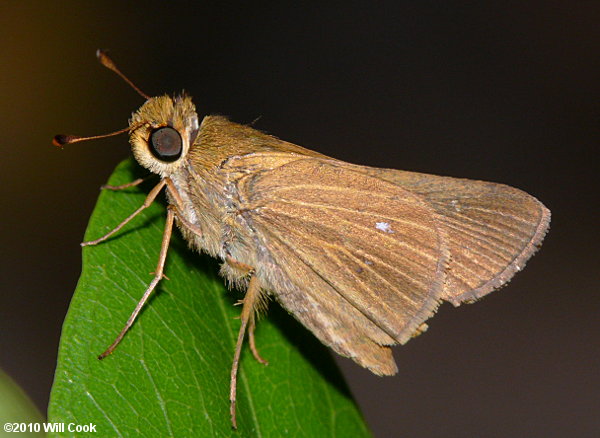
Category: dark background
<point>506,93</point>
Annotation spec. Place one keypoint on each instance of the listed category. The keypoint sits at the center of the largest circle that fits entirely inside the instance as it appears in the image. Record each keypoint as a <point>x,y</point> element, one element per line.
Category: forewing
<point>343,237</point>
<point>491,229</point>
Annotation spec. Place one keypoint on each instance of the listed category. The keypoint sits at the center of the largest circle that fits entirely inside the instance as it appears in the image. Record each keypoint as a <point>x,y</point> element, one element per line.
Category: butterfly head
<point>162,131</point>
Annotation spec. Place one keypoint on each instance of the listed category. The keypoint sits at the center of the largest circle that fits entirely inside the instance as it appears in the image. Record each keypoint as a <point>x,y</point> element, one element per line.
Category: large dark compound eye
<point>165,144</point>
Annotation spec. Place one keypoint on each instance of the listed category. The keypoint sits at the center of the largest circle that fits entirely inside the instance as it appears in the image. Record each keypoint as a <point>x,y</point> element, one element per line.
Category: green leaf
<point>17,408</point>
<point>170,374</point>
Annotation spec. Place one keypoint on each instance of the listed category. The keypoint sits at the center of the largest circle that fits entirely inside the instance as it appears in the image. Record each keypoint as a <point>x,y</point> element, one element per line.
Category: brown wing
<point>358,260</point>
<point>492,229</point>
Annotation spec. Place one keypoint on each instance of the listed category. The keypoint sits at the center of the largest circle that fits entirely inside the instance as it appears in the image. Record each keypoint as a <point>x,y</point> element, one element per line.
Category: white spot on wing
<point>456,205</point>
<point>384,226</point>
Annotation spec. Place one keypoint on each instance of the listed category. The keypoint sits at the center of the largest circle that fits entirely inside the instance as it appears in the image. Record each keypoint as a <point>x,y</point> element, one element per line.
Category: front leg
<point>135,183</point>
<point>147,202</point>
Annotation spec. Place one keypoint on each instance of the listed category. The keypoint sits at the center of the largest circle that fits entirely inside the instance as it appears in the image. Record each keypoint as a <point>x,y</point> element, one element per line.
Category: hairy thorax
<point>210,204</point>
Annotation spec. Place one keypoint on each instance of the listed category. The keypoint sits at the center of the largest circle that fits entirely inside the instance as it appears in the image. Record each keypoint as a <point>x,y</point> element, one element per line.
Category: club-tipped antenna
<point>61,139</point>
<point>107,62</point>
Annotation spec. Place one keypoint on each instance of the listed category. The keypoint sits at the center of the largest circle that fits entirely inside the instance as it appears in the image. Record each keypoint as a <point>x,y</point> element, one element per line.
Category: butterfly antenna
<point>61,139</point>
<point>107,62</point>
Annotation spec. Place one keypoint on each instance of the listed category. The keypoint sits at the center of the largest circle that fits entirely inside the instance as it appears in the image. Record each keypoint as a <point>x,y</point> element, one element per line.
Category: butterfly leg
<point>252,322</point>
<point>251,299</point>
<point>149,200</point>
<point>157,277</point>
<point>134,183</point>
<point>190,226</point>
<point>251,327</point>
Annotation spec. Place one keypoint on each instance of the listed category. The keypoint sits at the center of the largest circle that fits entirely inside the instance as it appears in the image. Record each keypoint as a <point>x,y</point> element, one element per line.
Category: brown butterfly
<point>361,256</point>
